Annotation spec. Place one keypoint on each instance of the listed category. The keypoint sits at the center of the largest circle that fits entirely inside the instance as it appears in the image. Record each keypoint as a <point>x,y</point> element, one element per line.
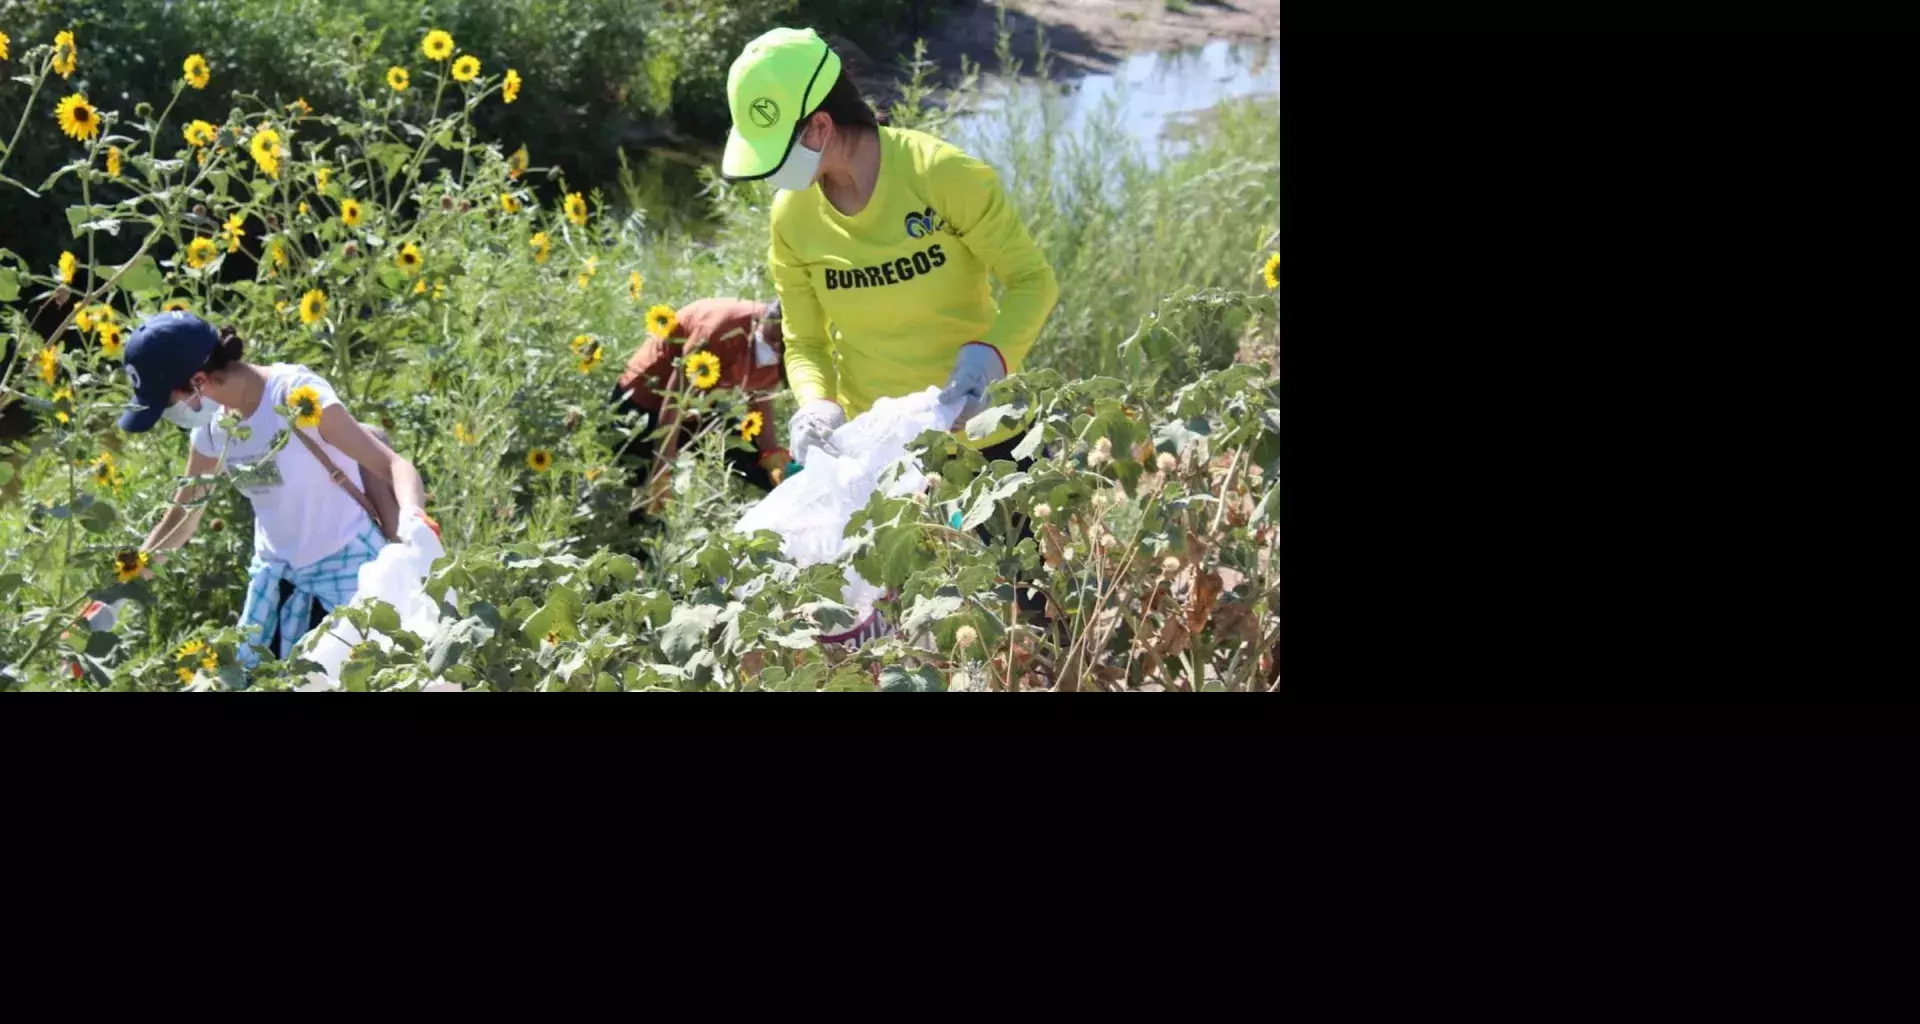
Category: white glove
<point>979,365</point>
<point>813,425</point>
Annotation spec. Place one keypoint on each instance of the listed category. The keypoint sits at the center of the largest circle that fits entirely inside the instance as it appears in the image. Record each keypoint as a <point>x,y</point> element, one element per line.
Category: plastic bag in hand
<point>810,510</point>
<point>398,576</point>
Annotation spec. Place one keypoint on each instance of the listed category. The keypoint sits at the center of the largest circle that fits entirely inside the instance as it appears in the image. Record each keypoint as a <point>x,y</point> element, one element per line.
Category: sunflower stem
<point>26,112</point>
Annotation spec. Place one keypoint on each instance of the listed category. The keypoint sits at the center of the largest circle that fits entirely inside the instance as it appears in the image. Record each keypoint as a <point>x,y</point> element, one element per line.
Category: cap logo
<point>134,376</point>
<point>764,112</point>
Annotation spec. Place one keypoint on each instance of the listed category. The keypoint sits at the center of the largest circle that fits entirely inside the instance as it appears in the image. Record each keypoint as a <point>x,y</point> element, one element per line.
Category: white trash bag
<point>810,510</point>
<point>398,576</point>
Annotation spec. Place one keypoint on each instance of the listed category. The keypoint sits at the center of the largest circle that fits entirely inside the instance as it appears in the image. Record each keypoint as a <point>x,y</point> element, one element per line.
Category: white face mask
<point>186,417</point>
<point>796,175</point>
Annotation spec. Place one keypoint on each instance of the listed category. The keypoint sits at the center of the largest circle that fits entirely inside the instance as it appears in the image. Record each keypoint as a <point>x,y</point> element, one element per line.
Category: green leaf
<point>355,673</point>
<point>9,582</point>
<point>561,614</point>
<point>990,421</point>
<point>382,616</point>
<point>452,643</point>
<point>143,277</point>
<point>392,156</point>
<point>983,506</point>
<point>1029,445</point>
<point>687,631</point>
<point>805,679</point>
<point>262,189</point>
<point>219,181</point>
<point>9,291</point>
<point>897,553</point>
<point>896,679</point>
<point>98,517</point>
<point>850,679</point>
<point>945,602</point>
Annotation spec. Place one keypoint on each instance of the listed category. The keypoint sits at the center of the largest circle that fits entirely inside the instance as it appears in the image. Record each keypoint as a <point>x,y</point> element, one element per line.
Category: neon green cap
<point>775,83</point>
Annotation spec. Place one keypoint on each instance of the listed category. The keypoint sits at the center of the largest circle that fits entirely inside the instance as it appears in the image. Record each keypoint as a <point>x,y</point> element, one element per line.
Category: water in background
<point>1150,97</point>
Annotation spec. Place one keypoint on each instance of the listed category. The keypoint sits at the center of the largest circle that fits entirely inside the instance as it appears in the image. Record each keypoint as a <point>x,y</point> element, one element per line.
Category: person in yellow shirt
<point>883,240</point>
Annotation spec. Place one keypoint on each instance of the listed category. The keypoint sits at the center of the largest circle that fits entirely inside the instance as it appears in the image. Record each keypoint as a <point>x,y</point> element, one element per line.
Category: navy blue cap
<point>163,355</point>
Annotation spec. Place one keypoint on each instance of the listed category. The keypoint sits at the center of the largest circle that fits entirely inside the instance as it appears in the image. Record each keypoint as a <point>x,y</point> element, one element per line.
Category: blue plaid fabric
<point>332,579</point>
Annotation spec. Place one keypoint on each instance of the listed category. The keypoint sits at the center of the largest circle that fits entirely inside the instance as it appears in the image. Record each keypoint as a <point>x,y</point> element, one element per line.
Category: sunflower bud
<point>217,525</point>
<point>934,481</point>
<point>199,209</point>
<point>573,419</point>
<point>386,424</point>
<point>446,204</point>
<point>964,638</point>
<point>143,109</point>
<point>465,205</point>
<point>1169,566</point>
<point>61,295</point>
<point>273,222</point>
<point>350,250</point>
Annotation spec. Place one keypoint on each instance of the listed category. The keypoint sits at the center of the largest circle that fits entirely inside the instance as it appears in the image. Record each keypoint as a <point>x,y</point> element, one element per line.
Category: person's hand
<point>411,512</point>
<point>978,365</point>
<point>813,425</point>
<point>775,463</point>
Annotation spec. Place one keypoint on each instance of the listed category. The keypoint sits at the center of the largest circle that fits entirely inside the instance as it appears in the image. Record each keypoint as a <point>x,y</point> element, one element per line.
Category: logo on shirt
<point>899,271</point>
<point>922,224</point>
<point>764,112</point>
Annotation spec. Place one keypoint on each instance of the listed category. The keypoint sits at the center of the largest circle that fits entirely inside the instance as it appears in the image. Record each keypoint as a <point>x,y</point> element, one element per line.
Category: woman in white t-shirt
<point>310,535</point>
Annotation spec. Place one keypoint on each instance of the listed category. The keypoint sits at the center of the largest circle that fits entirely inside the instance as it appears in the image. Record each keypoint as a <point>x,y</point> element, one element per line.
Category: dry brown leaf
<point>1206,590</point>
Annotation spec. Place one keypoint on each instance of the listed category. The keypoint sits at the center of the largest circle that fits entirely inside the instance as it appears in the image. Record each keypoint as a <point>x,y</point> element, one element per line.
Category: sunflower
<point>176,306</point>
<point>591,360</point>
<point>127,564</point>
<point>65,56</point>
<point>304,403</point>
<point>587,270</point>
<point>539,459</point>
<point>198,134</point>
<point>110,341</point>
<point>576,208</point>
<point>580,343</point>
<point>113,161</point>
<point>3,46</point>
<point>265,148</point>
<point>703,370</point>
<point>510,87</point>
<point>439,290</point>
<point>350,213</point>
<point>397,79</point>
<point>84,319</point>
<point>301,106</point>
<point>594,473</point>
<point>508,203</point>
<point>67,265</point>
<point>276,256</point>
<point>303,209</point>
<point>63,404</point>
<point>420,287</point>
<point>322,175</point>
<point>313,307</point>
<point>634,281</point>
<point>466,69</point>
<point>750,427</point>
<point>78,118</point>
<point>185,674</point>
<point>191,651</point>
<point>437,45</point>
<point>462,434</point>
<point>200,252</point>
<point>1272,271</point>
<point>234,232</point>
<point>541,246</point>
<point>661,321</point>
<point>408,259</point>
<point>196,71</point>
<point>517,163</point>
<point>105,474</point>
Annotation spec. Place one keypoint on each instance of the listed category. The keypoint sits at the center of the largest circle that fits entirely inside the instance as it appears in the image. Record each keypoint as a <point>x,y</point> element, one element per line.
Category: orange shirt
<point>723,327</point>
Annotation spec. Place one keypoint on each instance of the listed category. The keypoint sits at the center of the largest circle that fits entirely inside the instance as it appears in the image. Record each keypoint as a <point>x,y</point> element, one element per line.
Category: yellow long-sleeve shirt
<point>877,305</point>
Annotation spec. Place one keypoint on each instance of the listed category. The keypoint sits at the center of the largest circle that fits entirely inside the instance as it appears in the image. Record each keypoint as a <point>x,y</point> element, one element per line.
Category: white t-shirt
<point>299,514</point>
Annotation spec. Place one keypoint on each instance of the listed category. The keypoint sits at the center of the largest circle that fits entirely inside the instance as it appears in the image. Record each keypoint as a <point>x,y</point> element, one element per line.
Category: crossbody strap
<point>338,477</point>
